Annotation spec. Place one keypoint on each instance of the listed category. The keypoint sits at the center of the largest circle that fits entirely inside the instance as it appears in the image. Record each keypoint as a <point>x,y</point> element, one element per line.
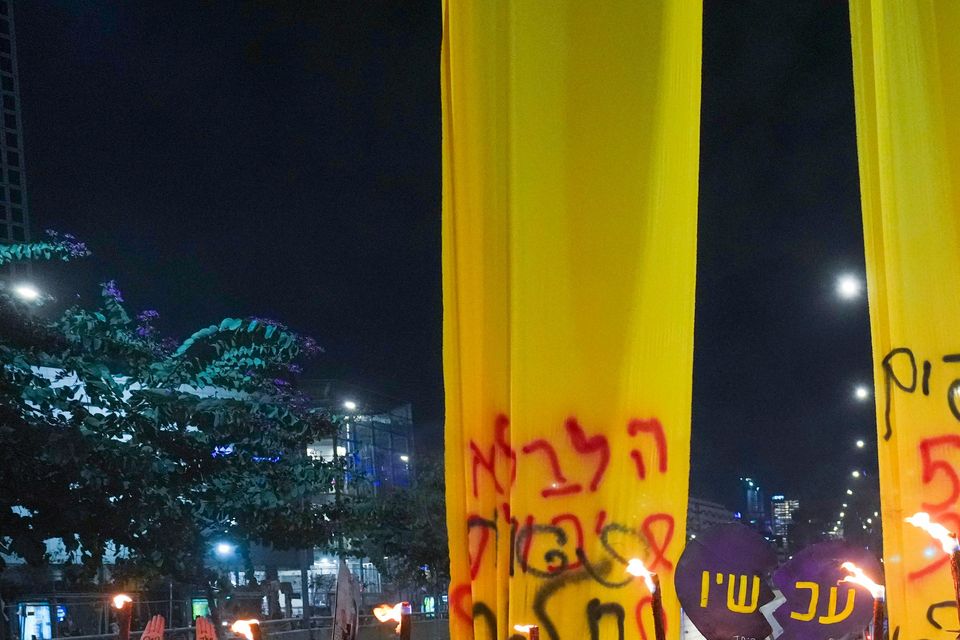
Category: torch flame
<point>244,628</point>
<point>859,577</point>
<point>946,538</point>
<point>120,600</point>
<point>387,613</point>
<point>635,567</point>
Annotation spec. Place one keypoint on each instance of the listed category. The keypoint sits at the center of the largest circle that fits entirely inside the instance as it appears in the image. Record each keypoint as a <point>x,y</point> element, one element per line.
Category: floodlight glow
<point>861,444</point>
<point>224,549</point>
<point>350,405</point>
<point>849,286</point>
<point>861,392</point>
<point>855,474</point>
<point>27,292</point>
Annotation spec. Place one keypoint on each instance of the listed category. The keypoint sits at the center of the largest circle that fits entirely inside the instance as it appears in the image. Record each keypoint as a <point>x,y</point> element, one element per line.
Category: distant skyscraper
<point>14,217</point>
<point>783,510</point>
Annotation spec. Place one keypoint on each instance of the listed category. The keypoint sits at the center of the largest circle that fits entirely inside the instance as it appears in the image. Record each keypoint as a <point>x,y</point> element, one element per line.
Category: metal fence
<point>425,626</point>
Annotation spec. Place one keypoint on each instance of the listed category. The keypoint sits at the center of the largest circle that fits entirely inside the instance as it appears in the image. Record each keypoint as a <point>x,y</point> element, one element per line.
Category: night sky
<point>283,160</point>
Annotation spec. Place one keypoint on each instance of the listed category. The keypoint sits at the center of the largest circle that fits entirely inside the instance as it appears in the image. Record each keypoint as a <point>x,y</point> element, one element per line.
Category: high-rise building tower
<point>14,216</point>
<point>783,510</point>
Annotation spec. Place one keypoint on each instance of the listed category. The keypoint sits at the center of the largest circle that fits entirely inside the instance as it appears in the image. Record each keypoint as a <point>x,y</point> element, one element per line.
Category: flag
<point>346,614</point>
<point>907,87</point>
<point>570,150</point>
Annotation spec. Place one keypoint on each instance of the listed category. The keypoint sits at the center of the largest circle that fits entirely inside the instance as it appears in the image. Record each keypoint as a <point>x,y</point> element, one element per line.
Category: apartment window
<point>12,140</point>
<point>13,176</point>
<point>13,158</point>
<point>7,83</point>
<point>9,102</point>
<point>16,197</point>
<point>16,214</point>
<point>9,119</point>
<point>4,46</point>
<point>3,232</point>
<point>3,7</point>
<point>18,234</point>
<point>4,26</point>
<point>6,65</point>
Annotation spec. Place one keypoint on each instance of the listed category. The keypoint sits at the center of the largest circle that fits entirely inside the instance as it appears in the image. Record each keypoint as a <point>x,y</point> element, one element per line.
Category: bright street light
<point>27,292</point>
<point>849,286</point>
<point>405,458</point>
<point>855,474</point>
<point>849,492</point>
<point>224,549</point>
<point>861,444</point>
<point>350,405</point>
<point>861,392</point>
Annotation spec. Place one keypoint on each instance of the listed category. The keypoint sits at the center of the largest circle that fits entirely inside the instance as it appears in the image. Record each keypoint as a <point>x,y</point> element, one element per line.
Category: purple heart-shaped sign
<point>722,581</point>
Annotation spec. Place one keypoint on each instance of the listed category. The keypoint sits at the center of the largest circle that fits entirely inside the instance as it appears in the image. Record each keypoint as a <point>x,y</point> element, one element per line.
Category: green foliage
<point>111,434</point>
<point>404,532</point>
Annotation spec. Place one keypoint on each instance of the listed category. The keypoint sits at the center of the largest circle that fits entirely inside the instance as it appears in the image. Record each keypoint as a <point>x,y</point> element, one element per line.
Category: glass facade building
<point>376,434</point>
<point>14,216</point>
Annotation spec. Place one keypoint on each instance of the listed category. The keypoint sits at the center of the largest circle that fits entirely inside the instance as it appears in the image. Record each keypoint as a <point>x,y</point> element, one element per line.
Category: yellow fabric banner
<point>571,146</point>
<point>906,57</point>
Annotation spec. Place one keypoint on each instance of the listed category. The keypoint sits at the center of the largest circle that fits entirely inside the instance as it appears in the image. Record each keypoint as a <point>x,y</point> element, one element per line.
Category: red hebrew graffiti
<point>483,527</point>
<point>488,463</point>
<point>555,489</point>
<point>932,467</point>
<point>653,427</point>
<point>647,603</point>
<point>595,445</point>
<point>952,521</point>
<point>659,549</point>
<point>461,598</point>
<point>503,444</point>
<point>601,519</point>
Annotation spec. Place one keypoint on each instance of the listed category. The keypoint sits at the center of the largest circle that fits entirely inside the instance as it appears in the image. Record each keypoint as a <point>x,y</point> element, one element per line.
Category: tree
<point>112,435</point>
<point>403,531</point>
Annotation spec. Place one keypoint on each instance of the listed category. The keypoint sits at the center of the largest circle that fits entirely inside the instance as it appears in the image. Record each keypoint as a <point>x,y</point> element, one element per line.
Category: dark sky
<point>283,159</point>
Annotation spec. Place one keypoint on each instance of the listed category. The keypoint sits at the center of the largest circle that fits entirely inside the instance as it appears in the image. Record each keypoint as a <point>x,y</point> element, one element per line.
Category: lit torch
<point>249,629</point>
<point>399,613</point>
<point>532,630</point>
<point>635,567</point>
<point>876,590</point>
<point>948,541</point>
<point>124,606</point>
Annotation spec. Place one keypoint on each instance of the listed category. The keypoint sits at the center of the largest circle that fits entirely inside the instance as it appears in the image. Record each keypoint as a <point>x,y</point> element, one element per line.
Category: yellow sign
<point>571,146</point>
<point>906,57</point>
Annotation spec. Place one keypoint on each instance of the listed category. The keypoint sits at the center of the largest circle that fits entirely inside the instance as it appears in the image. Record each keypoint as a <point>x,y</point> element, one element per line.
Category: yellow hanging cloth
<point>906,56</point>
<point>570,153</point>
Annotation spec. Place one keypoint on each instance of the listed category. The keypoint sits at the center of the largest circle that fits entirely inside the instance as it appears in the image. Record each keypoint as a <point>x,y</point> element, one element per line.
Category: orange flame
<point>946,538</point>
<point>635,567</point>
<point>387,613</point>
<point>244,628</point>
<point>121,599</point>
<point>859,577</point>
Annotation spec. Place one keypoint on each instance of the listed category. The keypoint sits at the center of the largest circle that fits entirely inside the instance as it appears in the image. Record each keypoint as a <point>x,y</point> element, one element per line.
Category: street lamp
<point>349,405</point>
<point>861,392</point>
<point>861,444</point>
<point>855,474</point>
<point>224,549</point>
<point>849,492</point>
<point>849,286</point>
<point>27,292</point>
